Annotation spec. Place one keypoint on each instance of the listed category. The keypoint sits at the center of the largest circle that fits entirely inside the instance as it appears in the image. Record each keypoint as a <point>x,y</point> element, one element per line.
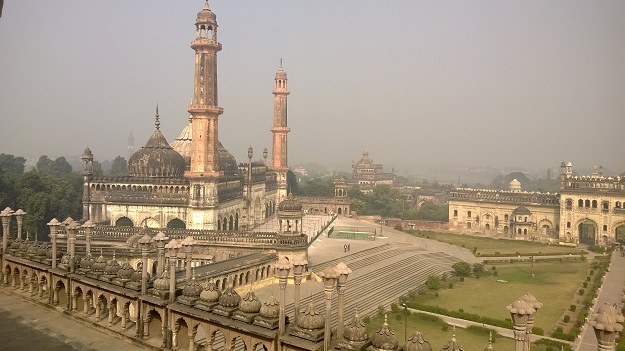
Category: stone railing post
<point>329,276</point>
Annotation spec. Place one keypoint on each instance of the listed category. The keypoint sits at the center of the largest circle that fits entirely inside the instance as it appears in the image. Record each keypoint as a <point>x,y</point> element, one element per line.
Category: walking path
<point>29,326</point>
<point>610,292</point>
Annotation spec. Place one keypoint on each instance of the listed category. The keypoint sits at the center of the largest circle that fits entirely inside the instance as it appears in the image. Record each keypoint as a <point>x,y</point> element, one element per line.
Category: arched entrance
<point>176,224</point>
<point>587,233</point>
<point>619,234</point>
<point>124,222</point>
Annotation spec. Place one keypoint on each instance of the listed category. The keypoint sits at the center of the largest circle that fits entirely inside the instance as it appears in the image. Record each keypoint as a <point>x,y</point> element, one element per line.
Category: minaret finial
<point>206,4</point>
<point>280,62</point>
<point>157,123</point>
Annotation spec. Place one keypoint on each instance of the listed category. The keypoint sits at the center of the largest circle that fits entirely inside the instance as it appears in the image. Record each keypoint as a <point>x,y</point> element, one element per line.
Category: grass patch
<point>554,284</point>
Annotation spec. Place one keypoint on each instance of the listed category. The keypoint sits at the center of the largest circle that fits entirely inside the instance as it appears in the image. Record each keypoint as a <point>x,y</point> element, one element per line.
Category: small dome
<point>385,338</point>
<point>112,267</point>
<point>137,275</point>
<point>162,282</point>
<point>521,211</point>
<point>290,204</point>
<point>87,262</point>
<point>310,319</point>
<point>416,342</point>
<point>514,185</point>
<point>281,74</point>
<point>210,293</point>
<point>192,289</point>
<point>125,272</point>
<point>521,307</point>
<point>87,154</point>
<point>229,297</point>
<point>271,308</point>
<point>355,330</point>
<point>250,303</point>
<point>206,16</point>
<point>453,344</point>
<point>156,158</point>
<point>99,264</point>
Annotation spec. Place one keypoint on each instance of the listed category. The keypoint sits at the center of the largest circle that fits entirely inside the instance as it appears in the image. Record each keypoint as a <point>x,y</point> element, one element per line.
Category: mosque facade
<point>588,209</point>
<point>194,182</point>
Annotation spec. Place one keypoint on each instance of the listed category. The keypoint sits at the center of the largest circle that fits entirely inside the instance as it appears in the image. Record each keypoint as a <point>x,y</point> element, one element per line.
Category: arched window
<point>506,217</point>
<point>594,203</point>
<point>580,203</point>
<point>587,203</point>
<point>124,222</point>
<point>176,224</point>
<point>569,204</point>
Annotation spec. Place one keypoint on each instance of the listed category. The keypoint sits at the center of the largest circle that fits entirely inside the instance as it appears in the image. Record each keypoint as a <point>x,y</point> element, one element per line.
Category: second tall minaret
<point>280,130</point>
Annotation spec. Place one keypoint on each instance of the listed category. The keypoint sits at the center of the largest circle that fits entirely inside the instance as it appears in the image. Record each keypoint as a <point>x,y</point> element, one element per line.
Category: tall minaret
<point>204,170</point>
<point>280,130</point>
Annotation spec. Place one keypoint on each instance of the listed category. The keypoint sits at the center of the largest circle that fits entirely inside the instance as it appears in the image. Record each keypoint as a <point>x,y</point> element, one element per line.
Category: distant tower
<point>280,130</point>
<point>204,170</point>
<point>131,145</point>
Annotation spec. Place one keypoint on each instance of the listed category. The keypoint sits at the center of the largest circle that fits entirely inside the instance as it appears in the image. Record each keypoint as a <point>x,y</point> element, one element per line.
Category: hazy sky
<point>496,83</point>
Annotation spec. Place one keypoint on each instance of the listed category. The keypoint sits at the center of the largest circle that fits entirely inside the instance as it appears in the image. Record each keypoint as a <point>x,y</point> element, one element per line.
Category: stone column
<point>74,308</point>
<point>112,312</point>
<point>606,324</point>
<point>343,272</point>
<point>54,227</point>
<point>282,268</point>
<point>144,243</point>
<point>532,301</point>
<point>159,239</point>
<point>5,216</point>
<point>88,226</point>
<point>72,229</point>
<point>520,312</point>
<point>55,298</point>
<point>86,304</point>
<point>124,318</point>
<point>19,215</point>
<point>188,244</point>
<point>329,276</point>
<point>192,339</point>
<point>172,248</point>
<point>299,266</point>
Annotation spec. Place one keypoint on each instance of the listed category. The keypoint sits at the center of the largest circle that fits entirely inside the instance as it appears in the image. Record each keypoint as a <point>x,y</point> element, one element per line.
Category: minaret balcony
<point>281,129</point>
<point>208,109</point>
<point>204,42</point>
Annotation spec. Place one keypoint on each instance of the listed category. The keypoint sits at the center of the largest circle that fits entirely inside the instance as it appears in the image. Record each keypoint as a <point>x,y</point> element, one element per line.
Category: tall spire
<point>280,130</point>
<point>157,122</point>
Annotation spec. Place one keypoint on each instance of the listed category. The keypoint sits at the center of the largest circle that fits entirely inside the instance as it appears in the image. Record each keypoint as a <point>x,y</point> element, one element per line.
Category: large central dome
<point>156,159</point>
<point>182,144</point>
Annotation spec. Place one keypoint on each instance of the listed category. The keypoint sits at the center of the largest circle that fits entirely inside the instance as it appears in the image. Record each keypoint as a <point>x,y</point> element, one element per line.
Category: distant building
<point>367,175</point>
<point>588,209</point>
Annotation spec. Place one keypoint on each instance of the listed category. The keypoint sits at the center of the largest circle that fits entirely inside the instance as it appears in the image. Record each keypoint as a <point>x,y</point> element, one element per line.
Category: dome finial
<point>157,123</point>
<point>206,4</point>
<point>280,62</point>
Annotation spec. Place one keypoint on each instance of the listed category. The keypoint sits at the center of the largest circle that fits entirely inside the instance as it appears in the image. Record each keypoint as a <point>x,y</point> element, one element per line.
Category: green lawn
<point>554,284</point>
<point>491,246</point>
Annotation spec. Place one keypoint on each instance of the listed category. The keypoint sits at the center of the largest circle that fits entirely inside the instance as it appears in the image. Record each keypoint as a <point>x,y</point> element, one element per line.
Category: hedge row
<point>462,315</point>
<point>497,254</point>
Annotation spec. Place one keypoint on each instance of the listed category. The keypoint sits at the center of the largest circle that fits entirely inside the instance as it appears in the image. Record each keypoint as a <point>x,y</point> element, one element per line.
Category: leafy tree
<point>463,269</point>
<point>433,282</point>
<point>97,169</point>
<point>292,183</point>
<point>57,168</point>
<point>119,167</point>
<point>12,164</point>
<point>316,187</point>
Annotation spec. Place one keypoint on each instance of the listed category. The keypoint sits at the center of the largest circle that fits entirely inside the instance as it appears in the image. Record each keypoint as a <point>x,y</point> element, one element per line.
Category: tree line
<point>384,200</point>
<point>52,189</point>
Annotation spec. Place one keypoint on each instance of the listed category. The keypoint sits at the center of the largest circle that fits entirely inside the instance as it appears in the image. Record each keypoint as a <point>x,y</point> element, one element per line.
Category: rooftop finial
<point>158,122</point>
<point>280,62</point>
<point>206,4</point>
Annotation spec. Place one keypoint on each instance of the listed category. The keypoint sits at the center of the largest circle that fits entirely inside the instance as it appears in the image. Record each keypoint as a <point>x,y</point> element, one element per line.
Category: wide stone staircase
<point>379,276</point>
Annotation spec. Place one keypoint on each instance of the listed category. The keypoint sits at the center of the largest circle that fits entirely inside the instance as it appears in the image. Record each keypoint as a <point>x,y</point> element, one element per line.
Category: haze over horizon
<point>524,84</point>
